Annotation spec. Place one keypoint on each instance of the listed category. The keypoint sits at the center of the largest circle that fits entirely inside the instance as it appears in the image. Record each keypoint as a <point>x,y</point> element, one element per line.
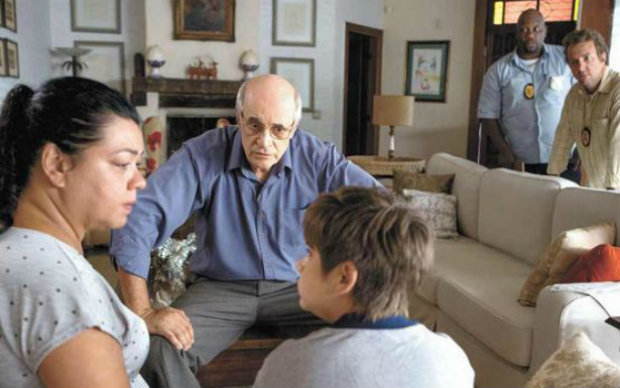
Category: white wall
<point>33,40</point>
<point>614,53</point>
<point>182,53</point>
<point>368,13</point>
<point>321,122</point>
<point>132,33</point>
<point>437,126</point>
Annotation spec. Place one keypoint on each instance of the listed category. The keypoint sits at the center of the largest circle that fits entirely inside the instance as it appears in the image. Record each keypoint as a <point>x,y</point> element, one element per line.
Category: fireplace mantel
<point>189,93</point>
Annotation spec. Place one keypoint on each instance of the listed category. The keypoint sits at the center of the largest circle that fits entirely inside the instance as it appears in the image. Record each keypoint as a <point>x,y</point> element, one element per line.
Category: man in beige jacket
<point>591,113</point>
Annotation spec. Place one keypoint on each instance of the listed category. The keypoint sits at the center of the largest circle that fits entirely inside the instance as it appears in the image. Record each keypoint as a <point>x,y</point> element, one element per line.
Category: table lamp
<point>392,111</point>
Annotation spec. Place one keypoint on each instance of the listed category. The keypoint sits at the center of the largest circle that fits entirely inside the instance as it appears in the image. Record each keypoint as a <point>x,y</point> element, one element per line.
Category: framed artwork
<point>427,70</point>
<point>12,58</point>
<point>204,20</point>
<point>300,73</point>
<point>104,63</point>
<point>96,16</point>
<point>294,23</point>
<point>3,66</point>
<point>9,15</point>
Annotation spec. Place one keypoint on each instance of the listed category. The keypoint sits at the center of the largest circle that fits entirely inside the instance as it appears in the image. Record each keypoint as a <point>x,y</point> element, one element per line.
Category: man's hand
<point>172,324</point>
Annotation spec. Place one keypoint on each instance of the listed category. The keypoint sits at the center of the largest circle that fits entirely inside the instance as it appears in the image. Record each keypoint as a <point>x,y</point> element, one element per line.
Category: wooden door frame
<point>597,14</point>
<point>378,35</point>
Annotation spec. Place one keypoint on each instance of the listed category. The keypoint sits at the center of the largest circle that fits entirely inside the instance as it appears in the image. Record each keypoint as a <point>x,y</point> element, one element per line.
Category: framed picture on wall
<point>3,67</point>
<point>300,73</point>
<point>104,63</point>
<point>204,20</point>
<point>96,16</point>
<point>12,58</point>
<point>294,23</point>
<point>1,13</point>
<point>9,15</point>
<point>427,70</point>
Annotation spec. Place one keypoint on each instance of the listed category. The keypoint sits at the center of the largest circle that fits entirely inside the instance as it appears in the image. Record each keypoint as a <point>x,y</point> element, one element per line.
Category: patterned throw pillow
<point>422,182</point>
<point>560,255</point>
<point>578,363</point>
<point>438,209</point>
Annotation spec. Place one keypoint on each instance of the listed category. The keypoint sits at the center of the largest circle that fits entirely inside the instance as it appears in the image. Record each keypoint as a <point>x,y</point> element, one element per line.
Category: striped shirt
<point>591,121</point>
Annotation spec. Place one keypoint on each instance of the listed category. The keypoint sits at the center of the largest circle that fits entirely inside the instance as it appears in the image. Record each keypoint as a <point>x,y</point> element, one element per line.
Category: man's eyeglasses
<point>255,127</point>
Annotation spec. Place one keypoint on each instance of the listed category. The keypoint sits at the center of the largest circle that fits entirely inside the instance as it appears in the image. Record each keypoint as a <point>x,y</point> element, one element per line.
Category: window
<point>508,11</point>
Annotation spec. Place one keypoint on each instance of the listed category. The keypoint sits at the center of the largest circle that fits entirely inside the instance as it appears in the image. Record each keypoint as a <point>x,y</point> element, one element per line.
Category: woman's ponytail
<point>14,134</point>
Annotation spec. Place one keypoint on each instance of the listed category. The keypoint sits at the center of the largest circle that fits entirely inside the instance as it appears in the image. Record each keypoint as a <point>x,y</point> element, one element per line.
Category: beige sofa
<point>506,219</point>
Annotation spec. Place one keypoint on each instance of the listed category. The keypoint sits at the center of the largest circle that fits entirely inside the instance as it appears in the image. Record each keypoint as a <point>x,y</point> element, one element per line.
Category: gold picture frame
<point>9,15</point>
<point>204,20</point>
<point>3,67</point>
<point>12,58</point>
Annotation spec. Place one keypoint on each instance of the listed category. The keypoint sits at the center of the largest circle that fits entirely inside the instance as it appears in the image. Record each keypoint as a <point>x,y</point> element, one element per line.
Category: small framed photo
<point>204,20</point>
<point>12,58</point>
<point>9,15</point>
<point>300,73</point>
<point>427,70</point>
<point>104,63</point>
<point>3,66</point>
<point>96,16</point>
<point>294,23</point>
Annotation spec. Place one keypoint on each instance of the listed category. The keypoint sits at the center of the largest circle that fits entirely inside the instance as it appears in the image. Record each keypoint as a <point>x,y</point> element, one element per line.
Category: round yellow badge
<point>528,91</point>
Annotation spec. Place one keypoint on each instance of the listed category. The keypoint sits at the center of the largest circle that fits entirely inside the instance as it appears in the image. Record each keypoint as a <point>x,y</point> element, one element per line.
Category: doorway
<point>362,80</point>
<point>494,36</point>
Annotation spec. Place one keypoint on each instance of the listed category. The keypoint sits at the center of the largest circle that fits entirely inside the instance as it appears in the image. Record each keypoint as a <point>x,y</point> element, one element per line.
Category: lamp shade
<point>392,110</point>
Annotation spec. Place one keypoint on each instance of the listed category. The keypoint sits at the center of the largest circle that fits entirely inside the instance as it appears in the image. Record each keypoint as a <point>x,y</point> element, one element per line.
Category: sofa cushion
<point>465,255</point>
<point>438,209</point>
<point>578,363</point>
<point>580,207</point>
<point>465,187</point>
<point>560,255</point>
<point>476,286</point>
<point>601,264</point>
<point>434,183</point>
<point>516,210</point>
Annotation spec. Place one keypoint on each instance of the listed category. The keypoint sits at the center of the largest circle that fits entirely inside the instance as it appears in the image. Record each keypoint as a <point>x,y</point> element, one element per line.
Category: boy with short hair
<point>366,250</point>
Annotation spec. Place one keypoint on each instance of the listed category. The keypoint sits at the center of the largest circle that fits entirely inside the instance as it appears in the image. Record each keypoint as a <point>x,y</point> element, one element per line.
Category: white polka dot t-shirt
<point>49,293</point>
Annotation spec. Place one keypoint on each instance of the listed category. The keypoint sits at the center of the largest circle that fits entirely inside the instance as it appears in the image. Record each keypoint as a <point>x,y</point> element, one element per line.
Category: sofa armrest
<point>565,309</point>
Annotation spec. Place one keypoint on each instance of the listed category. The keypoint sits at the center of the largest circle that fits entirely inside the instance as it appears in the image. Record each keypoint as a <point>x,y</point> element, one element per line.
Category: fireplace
<point>182,128</point>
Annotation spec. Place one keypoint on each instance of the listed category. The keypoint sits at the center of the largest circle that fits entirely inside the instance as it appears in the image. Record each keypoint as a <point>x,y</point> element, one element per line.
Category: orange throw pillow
<point>601,264</point>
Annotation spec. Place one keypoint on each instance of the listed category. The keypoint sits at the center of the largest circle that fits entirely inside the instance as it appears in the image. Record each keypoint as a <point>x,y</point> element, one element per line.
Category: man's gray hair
<point>241,100</point>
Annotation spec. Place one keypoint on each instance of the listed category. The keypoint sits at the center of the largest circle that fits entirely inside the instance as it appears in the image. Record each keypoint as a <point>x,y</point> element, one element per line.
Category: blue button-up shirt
<point>528,125</point>
<point>246,229</point>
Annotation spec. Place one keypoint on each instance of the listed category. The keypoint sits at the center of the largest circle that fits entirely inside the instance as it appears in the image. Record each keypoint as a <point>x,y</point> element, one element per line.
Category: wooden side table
<point>382,167</point>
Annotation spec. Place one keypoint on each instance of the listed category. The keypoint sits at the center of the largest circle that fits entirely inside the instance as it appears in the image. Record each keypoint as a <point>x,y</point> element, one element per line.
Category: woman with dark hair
<point>69,153</point>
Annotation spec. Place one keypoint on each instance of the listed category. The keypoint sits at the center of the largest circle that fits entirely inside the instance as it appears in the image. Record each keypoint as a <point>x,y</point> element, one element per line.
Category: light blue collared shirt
<point>528,125</point>
<point>247,230</point>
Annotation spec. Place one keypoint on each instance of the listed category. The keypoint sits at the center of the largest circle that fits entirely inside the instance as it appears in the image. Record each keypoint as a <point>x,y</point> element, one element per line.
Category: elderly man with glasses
<point>250,184</point>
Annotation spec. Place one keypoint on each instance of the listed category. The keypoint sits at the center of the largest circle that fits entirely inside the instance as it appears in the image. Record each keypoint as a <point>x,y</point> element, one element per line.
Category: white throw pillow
<point>578,363</point>
<point>438,209</point>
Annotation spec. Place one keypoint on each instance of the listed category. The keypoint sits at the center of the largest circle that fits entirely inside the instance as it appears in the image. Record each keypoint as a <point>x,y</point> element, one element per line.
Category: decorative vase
<point>155,59</point>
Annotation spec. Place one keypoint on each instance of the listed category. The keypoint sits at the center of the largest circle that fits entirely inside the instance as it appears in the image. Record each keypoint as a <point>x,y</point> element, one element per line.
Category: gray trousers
<point>220,312</point>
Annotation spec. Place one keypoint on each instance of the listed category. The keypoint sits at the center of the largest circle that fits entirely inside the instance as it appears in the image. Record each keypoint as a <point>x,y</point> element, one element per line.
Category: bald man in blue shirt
<point>250,185</point>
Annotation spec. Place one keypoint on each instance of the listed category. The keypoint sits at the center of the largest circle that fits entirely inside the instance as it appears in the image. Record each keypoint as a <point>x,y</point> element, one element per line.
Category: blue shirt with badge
<point>527,101</point>
<point>247,229</point>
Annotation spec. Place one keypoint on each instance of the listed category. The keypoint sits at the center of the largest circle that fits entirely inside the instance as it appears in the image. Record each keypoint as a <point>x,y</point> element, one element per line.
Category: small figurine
<point>200,71</point>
